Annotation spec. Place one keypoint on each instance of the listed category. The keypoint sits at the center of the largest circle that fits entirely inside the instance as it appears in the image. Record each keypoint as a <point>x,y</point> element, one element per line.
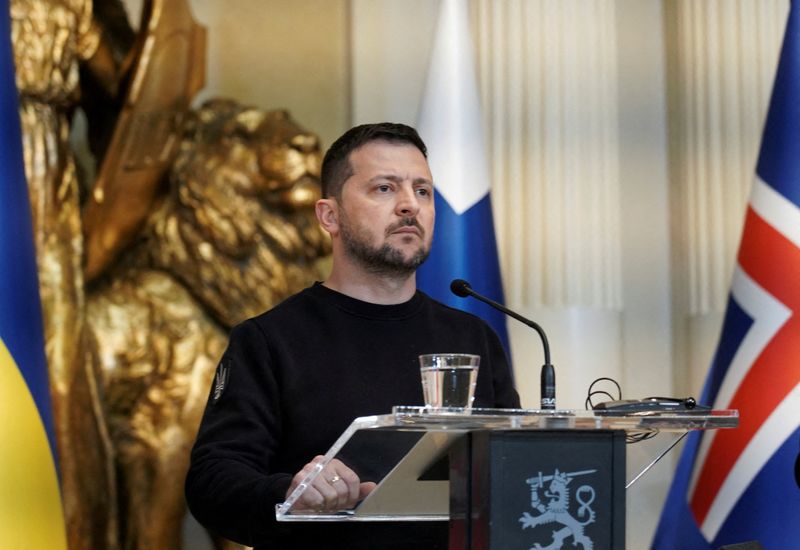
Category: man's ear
<point>327,211</point>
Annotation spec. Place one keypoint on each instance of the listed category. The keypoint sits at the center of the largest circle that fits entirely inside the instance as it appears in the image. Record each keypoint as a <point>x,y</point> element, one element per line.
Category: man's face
<point>386,211</point>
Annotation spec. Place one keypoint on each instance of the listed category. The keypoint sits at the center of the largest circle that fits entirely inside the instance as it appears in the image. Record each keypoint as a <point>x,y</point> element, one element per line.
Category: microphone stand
<point>462,288</point>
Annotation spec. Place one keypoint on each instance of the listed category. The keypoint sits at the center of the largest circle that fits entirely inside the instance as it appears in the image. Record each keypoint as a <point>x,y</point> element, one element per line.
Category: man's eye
<point>423,191</point>
<point>384,188</point>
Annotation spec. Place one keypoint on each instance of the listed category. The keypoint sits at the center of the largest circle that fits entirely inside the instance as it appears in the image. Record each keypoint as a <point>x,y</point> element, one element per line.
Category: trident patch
<point>220,380</point>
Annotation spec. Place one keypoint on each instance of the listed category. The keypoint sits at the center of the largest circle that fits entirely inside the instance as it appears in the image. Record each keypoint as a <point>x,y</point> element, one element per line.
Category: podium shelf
<point>567,419</point>
<point>403,452</point>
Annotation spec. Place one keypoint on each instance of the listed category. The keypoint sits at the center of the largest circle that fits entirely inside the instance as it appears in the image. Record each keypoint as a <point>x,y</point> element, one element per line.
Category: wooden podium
<point>505,479</point>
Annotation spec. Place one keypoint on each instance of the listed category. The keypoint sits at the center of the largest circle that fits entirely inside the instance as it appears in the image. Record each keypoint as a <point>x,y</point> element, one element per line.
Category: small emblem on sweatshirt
<point>220,380</point>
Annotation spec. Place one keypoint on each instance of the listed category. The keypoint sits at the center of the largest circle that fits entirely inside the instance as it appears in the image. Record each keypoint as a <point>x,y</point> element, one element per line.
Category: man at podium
<point>293,378</point>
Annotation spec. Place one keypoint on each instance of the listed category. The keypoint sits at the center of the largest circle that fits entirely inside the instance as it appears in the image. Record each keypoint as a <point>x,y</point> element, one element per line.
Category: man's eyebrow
<point>390,177</point>
<point>397,179</point>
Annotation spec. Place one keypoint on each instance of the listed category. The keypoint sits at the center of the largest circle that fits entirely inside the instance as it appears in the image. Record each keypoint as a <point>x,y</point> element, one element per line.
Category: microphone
<point>462,289</point>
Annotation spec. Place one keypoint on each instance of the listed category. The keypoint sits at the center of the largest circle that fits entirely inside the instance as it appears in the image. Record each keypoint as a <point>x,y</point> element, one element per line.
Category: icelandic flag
<point>30,501</point>
<point>741,485</point>
<point>451,124</point>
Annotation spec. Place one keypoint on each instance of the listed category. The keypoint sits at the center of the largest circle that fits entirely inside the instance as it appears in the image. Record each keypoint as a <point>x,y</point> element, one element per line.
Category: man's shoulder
<point>284,309</point>
<point>278,315</point>
<point>444,310</point>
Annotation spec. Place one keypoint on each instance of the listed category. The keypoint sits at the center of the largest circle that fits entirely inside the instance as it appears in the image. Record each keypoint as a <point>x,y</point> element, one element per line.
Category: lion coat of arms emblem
<point>556,509</point>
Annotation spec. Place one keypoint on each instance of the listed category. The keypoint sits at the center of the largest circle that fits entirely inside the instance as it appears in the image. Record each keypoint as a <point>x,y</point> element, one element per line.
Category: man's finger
<point>311,499</point>
<point>347,481</point>
<point>329,493</point>
<point>366,488</point>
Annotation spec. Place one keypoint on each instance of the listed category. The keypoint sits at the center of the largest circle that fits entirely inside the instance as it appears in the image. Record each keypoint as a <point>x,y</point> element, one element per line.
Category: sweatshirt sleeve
<point>230,488</point>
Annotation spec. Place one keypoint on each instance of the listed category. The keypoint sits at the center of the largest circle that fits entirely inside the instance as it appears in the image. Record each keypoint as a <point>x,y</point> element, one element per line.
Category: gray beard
<point>384,260</point>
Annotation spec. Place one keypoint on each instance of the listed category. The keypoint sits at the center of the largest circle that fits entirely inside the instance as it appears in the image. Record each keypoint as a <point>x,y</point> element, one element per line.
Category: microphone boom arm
<point>535,326</point>
<point>461,288</point>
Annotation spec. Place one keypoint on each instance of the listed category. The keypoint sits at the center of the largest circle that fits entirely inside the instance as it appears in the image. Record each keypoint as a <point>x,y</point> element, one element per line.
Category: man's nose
<point>407,202</point>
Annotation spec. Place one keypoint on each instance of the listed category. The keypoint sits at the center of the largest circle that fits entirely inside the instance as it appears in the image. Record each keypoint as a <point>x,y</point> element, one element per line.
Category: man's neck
<point>373,288</point>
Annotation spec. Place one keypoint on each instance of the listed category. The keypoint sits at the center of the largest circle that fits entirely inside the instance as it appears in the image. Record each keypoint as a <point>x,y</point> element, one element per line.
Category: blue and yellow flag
<point>30,502</point>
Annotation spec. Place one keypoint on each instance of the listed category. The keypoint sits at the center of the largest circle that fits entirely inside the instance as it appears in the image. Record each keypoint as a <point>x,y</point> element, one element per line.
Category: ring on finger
<point>334,479</point>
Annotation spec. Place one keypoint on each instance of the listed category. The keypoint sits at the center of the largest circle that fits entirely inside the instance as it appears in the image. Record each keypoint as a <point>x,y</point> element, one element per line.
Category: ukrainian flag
<point>30,502</point>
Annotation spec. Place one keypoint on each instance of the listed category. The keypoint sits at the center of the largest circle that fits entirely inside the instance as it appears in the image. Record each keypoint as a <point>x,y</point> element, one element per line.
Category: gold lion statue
<point>233,234</point>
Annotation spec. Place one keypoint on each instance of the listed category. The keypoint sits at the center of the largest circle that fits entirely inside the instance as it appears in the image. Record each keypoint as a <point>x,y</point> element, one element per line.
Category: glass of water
<point>448,379</point>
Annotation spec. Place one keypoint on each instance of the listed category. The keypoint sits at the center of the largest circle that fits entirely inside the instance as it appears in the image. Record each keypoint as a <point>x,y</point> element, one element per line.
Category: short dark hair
<point>336,167</point>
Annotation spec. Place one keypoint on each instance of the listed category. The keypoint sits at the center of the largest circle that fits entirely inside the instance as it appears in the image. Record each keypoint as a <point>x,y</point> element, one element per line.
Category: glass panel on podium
<point>406,452</point>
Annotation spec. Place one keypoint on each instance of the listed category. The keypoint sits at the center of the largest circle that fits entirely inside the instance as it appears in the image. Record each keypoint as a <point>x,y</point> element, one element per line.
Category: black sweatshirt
<point>293,379</point>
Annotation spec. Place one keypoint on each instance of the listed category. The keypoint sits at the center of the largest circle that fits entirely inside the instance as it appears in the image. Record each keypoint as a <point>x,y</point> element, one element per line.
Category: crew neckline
<point>354,306</point>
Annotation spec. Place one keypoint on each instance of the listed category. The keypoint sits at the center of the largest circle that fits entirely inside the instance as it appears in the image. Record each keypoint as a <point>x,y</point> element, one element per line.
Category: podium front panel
<point>515,489</point>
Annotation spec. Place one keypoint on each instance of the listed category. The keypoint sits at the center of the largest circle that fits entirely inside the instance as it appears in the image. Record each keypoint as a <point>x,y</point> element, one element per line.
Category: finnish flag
<point>451,125</point>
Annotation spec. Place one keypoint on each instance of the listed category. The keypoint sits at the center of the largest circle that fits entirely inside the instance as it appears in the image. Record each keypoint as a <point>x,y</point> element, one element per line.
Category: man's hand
<point>337,487</point>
